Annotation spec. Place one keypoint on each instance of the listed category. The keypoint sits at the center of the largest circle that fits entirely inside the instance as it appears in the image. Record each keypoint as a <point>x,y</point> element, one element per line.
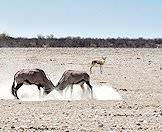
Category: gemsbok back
<point>29,77</point>
<point>71,77</point>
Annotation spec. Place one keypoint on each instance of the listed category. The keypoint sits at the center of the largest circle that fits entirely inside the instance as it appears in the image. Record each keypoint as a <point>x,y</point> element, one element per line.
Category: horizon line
<point>75,36</point>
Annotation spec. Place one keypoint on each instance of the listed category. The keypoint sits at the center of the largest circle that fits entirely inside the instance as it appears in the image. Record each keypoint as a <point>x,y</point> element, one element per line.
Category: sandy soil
<point>135,73</point>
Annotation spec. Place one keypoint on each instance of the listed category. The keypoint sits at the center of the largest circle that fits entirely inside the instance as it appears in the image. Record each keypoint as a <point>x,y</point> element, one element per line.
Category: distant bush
<point>51,36</point>
<point>4,36</point>
<point>51,41</point>
<point>40,36</point>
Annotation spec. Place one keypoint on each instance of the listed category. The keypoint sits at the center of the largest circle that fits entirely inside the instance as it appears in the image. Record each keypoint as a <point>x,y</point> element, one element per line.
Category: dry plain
<point>135,73</point>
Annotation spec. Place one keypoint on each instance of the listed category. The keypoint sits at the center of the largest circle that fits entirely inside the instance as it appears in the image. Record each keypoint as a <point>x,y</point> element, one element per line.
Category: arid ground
<point>135,73</point>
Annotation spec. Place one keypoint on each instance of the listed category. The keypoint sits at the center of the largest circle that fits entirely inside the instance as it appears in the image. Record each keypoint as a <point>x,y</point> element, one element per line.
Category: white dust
<point>31,93</point>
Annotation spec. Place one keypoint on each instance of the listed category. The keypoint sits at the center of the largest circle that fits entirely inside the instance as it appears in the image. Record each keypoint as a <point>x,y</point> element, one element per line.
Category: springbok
<point>71,77</point>
<point>32,76</point>
<point>99,62</point>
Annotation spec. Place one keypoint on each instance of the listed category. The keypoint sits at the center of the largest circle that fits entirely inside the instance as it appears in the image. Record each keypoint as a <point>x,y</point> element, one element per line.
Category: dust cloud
<point>31,93</point>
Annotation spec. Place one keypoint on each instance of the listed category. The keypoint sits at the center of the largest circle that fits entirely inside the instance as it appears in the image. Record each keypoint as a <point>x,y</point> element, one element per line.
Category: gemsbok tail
<point>12,89</point>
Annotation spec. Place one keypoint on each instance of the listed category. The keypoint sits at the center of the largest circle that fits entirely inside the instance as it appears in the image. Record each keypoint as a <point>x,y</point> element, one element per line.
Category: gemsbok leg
<point>101,69</point>
<point>71,90</point>
<point>39,88</point>
<point>82,86</point>
<point>90,88</point>
<point>16,88</point>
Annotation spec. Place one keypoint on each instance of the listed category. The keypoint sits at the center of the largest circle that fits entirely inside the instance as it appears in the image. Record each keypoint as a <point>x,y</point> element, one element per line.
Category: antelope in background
<point>71,77</point>
<point>98,62</point>
<point>29,77</point>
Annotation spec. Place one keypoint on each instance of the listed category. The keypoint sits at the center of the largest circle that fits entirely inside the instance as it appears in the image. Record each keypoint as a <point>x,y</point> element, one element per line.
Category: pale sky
<point>84,18</point>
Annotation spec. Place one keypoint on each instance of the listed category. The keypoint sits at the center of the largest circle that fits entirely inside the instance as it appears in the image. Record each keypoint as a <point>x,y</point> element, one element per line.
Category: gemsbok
<point>98,62</point>
<point>29,77</point>
<point>71,77</point>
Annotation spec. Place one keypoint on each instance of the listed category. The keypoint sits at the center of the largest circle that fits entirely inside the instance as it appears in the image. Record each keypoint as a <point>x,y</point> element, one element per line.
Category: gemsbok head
<point>29,77</point>
<point>71,77</point>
